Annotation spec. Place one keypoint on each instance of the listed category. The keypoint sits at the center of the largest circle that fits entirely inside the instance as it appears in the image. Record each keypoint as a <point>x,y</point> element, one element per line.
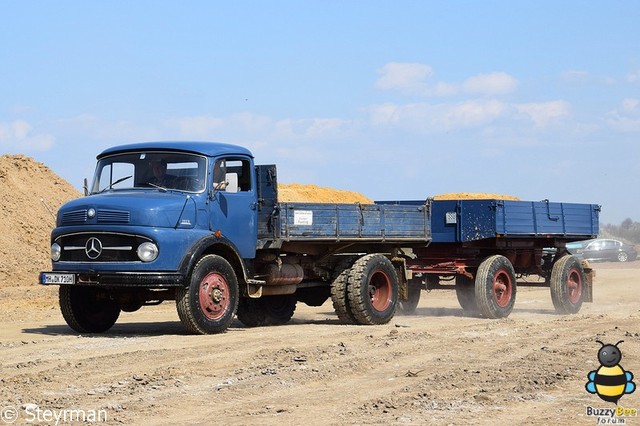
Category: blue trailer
<point>200,224</point>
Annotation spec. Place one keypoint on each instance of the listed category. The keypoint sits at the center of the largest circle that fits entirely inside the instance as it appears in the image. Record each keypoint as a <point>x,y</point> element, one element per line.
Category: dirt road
<point>435,367</point>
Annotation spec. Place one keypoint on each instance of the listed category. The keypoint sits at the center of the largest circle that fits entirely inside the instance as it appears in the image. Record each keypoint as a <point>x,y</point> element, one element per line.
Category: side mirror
<point>85,186</point>
<point>231,182</point>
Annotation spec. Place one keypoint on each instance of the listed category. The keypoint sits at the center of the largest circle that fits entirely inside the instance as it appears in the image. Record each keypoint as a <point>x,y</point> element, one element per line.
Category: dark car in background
<point>603,249</point>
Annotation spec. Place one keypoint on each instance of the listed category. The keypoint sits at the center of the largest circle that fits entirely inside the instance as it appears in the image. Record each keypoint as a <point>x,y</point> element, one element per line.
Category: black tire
<point>267,310</point>
<point>623,256</point>
<point>339,296</point>
<point>280,308</point>
<point>313,296</point>
<point>408,307</point>
<point>567,285</point>
<point>495,287</point>
<point>251,312</point>
<point>208,305</point>
<point>466,293</point>
<point>373,290</point>
<point>88,309</point>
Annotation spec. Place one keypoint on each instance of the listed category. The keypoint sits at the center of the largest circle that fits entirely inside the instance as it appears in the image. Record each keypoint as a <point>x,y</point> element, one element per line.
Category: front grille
<point>113,216</point>
<point>74,217</point>
<point>79,217</point>
<point>100,247</point>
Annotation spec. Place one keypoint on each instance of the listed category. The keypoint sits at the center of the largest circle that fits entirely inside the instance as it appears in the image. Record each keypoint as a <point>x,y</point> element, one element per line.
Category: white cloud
<point>634,76</point>
<point>626,118</point>
<point>436,118</point>
<point>196,127</point>
<point>316,127</point>
<point>413,78</point>
<point>496,83</point>
<point>18,135</point>
<point>630,105</point>
<point>543,113</point>
<point>575,76</point>
<point>406,77</point>
<point>248,126</point>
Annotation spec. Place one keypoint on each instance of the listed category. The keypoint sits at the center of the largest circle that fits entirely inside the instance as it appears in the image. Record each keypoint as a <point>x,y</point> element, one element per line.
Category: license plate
<point>58,279</point>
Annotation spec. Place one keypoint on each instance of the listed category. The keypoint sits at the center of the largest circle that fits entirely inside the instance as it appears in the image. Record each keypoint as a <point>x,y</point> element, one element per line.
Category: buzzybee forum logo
<point>610,382</point>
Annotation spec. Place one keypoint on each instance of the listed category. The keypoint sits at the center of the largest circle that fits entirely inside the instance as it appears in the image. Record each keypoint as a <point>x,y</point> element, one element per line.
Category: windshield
<point>161,170</point>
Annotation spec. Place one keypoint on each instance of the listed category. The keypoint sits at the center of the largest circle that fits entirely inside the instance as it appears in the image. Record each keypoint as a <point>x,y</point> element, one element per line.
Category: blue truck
<point>199,223</point>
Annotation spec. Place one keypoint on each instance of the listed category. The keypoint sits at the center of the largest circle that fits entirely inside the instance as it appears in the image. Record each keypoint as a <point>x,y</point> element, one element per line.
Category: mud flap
<point>404,275</point>
<point>589,274</point>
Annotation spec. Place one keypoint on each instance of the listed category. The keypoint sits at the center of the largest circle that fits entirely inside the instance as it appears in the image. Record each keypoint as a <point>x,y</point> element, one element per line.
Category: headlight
<point>147,252</point>
<point>56,251</point>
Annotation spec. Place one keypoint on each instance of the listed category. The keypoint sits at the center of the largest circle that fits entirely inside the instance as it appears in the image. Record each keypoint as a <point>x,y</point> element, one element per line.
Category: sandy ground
<point>435,367</point>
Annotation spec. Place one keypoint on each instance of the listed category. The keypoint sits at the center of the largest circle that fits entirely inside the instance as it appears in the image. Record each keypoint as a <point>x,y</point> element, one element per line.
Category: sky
<point>394,99</point>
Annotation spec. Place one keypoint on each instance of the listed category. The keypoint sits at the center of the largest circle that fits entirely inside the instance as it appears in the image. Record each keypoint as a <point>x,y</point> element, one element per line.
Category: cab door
<point>233,206</point>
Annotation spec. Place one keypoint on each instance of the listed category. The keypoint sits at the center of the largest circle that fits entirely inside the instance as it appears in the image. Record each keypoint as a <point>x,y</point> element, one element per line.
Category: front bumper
<point>114,279</point>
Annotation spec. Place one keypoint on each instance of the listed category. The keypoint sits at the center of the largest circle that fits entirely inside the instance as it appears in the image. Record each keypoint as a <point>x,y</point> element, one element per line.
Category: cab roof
<point>210,149</point>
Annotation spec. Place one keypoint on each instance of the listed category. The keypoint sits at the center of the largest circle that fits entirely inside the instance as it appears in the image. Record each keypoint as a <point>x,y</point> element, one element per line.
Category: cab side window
<point>232,175</point>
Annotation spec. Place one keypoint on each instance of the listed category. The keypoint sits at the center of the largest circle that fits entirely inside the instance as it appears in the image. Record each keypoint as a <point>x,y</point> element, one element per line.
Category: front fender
<point>220,246</point>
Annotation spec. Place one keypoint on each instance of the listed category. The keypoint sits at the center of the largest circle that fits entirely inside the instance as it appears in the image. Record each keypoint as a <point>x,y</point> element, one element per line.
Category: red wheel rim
<point>502,288</point>
<point>213,295</point>
<point>380,291</point>
<point>574,286</point>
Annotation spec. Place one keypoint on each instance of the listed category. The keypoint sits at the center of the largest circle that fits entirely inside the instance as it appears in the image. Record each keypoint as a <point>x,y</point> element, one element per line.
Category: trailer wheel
<point>88,309</point>
<point>339,296</point>
<point>373,290</point>
<point>567,281</point>
<point>495,287</point>
<point>209,303</point>
<point>466,293</point>
<point>408,307</point>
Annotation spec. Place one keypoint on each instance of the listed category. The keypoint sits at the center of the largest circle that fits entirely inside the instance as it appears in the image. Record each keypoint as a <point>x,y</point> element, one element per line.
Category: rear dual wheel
<point>372,290</point>
<point>339,295</point>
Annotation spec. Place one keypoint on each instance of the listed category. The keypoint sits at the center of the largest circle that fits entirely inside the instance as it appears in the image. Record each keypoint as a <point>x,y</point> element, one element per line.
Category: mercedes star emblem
<point>93,248</point>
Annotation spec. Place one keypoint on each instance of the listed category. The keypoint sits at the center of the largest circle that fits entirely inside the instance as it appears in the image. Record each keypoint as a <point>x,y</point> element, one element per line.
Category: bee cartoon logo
<point>610,381</point>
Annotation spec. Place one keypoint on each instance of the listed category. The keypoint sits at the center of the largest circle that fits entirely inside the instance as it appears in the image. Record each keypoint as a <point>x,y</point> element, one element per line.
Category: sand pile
<point>474,196</point>
<point>295,192</point>
<point>25,222</point>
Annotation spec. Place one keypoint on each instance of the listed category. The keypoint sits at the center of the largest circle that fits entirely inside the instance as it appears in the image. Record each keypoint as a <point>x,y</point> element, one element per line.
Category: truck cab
<point>152,212</point>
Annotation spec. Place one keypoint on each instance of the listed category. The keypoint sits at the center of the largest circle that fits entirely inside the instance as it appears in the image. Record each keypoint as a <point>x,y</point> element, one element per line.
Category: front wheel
<point>623,257</point>
<point>88,309</point>
<point>209,303</point>
<point>567,284</point>
<point>495,287</point>
<point>373,290</point>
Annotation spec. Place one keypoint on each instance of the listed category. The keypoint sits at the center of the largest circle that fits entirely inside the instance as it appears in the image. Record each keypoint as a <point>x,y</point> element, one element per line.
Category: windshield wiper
<point>122,179</point>
<point>161,188</point>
